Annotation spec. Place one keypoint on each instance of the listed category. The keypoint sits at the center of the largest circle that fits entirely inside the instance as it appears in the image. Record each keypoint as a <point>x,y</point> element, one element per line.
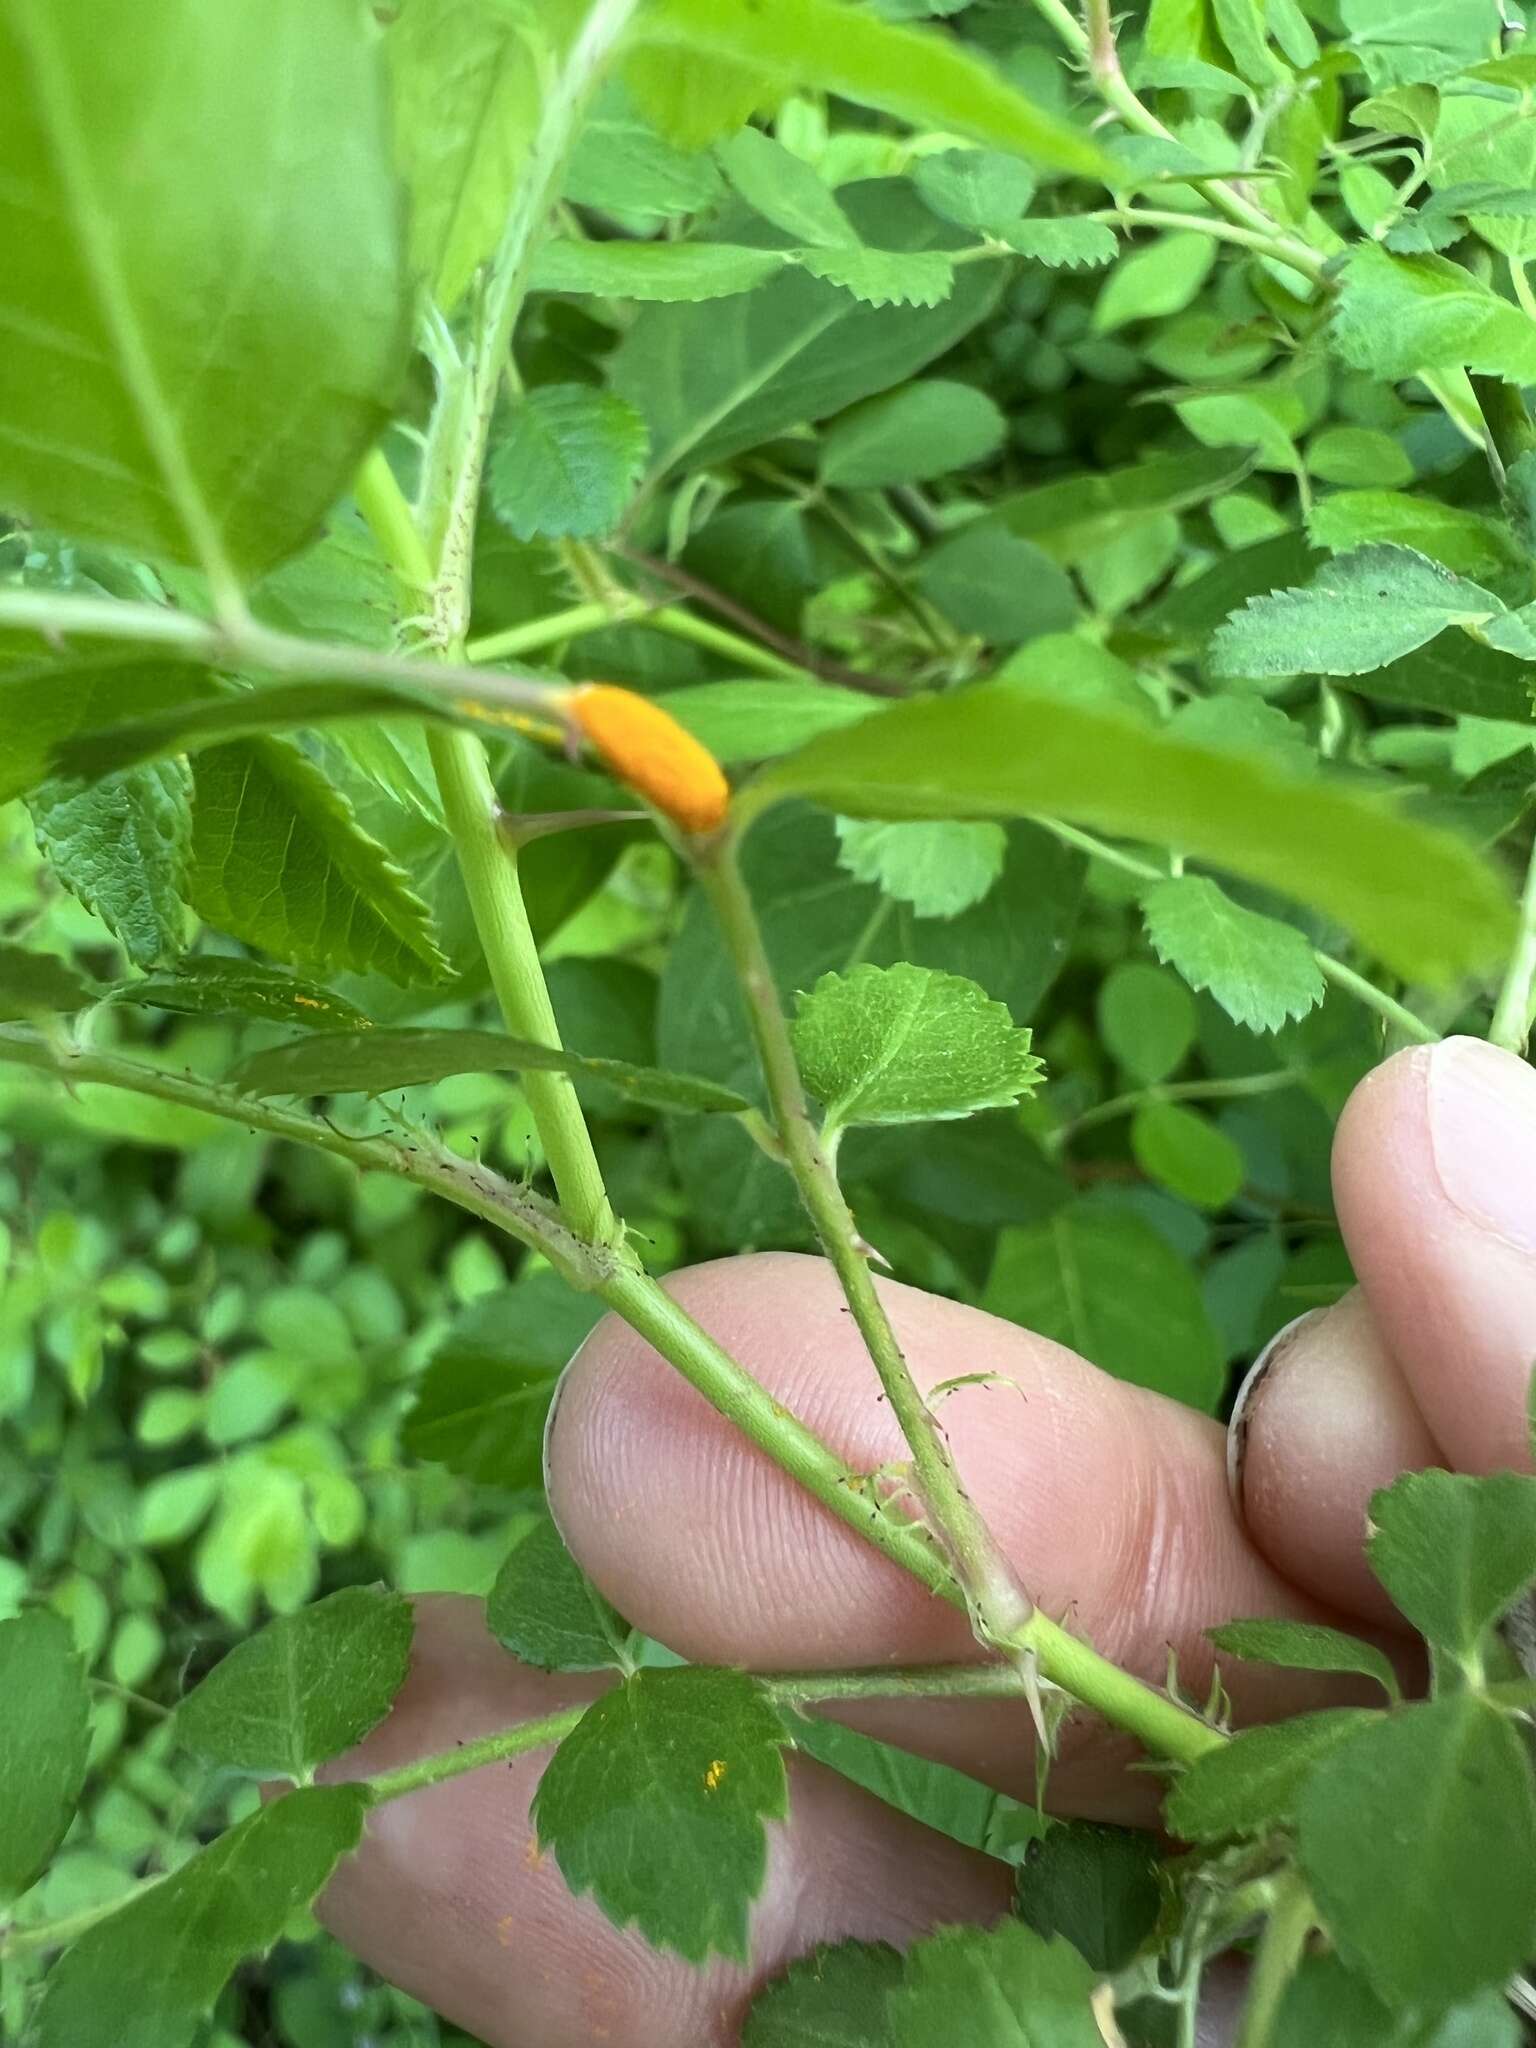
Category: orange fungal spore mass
<point>647,748</point>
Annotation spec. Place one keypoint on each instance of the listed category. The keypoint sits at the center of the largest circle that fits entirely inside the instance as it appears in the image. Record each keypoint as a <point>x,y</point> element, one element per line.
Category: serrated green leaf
<point>545,1610</point>
<point>215,986</point>
<point>655,1804</point>
<point>567,462</point>
<point>147,1975</point>
<point>1064,244</point>
<point>1263,973</point>
<point>752,720</point>
<point>669,272</point>
<point>266,176</point>
<point>713,383</point>
<point>1454,1552</point>
<point>785,190</point>
<point>998,1987</point>
<point>884,277</point>
<point>1112,1287</point>
<point>1444,1905</point>
<point>121,846</point>
<point>38,984</point>
<point>1095,1886</point>
<point>904,1044</point>
<point>922,430</point>
<point>815,918</point>
<point>304,1689</point>
<point>928,80</point>
<point>44,1744</point>
<point>1484,168</point>
<point>940,869</point>
<point>374,1061</point>
<point>1305,1646</point>
<point>482,1401</point>
<point>1000,750</point>
<point>279,860</point>
<point>1360,612</point>
<point>832,1998</point>
<point>1398,315</point>
<point>1252,1785</point>
<point>1404,41</point>
<point>980,189</point>
<point>1187,1154</point>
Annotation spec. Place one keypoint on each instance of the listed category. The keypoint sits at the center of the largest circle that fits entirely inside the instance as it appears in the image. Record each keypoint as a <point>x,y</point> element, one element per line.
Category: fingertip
<point>1435,1182</point>
<point>1327,1419</point>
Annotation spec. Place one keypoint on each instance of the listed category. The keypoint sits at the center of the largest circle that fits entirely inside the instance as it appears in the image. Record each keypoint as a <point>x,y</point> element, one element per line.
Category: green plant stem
<point>1178,1091</point>
<point>1282,248</point>
<point>1292,1917</point>
<point>789,1689</point>
<point>670,619</point>
<point>472,1756</point>
<point>489,866</point>
<point>537,634</point>
<point>1515,1012</point>
<point>1162,1726</point>
<point>247,645</point>
<point>1094,47</point>
<point>682,625</point>
<point>520,1212</point>
<point>562,100</point>
<point>999,1606</point>
<point>488,862</point>
<point>768,1424</point>
<point>1002,1614</point>
<point>1395,1013</point>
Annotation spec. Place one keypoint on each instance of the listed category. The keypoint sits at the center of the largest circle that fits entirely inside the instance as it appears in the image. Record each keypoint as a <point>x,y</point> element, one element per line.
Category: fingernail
<point>1482,1134</point>
<point>1247,1395</point>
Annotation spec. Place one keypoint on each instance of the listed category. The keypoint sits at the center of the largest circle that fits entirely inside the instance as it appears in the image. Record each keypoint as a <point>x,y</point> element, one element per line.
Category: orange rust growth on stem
<point>647,748</point>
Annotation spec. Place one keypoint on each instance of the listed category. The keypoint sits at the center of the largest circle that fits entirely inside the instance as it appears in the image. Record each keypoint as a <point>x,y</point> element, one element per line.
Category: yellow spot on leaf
<point>714,1774</point>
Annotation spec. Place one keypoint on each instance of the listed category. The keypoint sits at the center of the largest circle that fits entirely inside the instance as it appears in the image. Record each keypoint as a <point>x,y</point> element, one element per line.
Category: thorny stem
<point>1002,1614</point>
<point>499,1748</point>
<point>1094,46</point>
<point>1000,1608</point>
<point>789,1689</point>
<point>1296,255</point>
<point>520,1212</point>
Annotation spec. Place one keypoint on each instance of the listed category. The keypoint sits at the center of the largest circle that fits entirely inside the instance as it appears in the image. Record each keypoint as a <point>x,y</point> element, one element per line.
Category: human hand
<point>1111,1501</point>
